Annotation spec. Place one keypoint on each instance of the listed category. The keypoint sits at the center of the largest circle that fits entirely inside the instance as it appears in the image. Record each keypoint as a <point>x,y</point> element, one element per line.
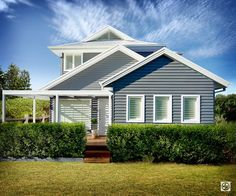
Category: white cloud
<point>199,29</point>
<point>5,5</point>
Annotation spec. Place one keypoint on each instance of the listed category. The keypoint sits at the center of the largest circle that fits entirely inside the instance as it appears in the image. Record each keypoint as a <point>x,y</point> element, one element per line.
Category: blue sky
<point>204,31</point>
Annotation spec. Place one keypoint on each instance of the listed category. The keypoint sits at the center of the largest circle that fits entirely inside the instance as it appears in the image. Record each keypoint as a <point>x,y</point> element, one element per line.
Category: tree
<point>226,106</point>
<point>2,79</point>
<point>15,79</point>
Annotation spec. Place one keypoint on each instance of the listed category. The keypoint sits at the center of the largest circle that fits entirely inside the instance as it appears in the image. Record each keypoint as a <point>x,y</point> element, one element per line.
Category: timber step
<point>97,160</point>
<point>96,148</point>
<point>97,154</point>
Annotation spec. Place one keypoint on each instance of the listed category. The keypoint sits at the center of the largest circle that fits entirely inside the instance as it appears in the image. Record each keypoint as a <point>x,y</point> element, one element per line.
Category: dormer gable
<point>107,34</point>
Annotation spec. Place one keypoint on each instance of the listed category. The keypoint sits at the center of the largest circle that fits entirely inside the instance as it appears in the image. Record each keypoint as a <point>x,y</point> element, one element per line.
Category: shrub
<point>42,140</point>
<point>179,143</point>
<point>230,150</point>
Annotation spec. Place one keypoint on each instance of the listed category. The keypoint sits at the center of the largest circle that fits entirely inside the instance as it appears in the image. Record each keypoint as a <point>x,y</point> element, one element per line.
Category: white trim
<point>197,107</point>
<point>82,93</point>
<point>169,112</point>
<point>3,107</point>
<point>91,62</point>
<point>172,55</point>
<point>57,108</point>
<point>105,30</point>
<point>34,110</point>
<point>142,107</point>
<point>110,109</point>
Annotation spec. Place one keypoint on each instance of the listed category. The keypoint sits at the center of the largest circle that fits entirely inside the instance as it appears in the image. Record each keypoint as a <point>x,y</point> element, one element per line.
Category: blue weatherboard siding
<point>89,78</point>
<point>164,76</point>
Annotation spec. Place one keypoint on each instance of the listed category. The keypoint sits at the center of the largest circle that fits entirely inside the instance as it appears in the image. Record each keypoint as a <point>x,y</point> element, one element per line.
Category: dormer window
<point>72,60</point>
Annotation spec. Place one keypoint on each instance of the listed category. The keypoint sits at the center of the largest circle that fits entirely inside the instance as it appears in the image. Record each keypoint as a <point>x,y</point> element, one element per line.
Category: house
<point>115,78</point>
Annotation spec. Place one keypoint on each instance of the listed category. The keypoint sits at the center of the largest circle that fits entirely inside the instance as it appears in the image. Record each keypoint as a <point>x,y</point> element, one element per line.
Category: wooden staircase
<point>96,150</point>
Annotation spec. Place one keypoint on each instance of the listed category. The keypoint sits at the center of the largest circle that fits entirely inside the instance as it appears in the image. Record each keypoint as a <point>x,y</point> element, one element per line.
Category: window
<point>77,60</point>
<point>69,62</point>
<point>72,60</point>
<point>190,108</point>
<point>135,108</point>
<point>162,108</point>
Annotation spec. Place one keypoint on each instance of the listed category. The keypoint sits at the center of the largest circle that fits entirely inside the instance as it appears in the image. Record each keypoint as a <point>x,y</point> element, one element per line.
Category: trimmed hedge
<point>42,140</point>
<point>178,143</point>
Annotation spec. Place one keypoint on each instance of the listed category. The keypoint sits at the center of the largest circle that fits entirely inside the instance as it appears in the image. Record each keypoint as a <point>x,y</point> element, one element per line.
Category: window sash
<point>135,108</point>
<point>162,108</point>
<point>190,109</point>
<point>77,60</point>
<point>69,62</point>
<point>72,60</point>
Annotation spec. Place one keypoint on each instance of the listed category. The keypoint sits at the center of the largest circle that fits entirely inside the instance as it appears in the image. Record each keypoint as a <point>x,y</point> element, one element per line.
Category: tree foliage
<point>225,106</point>
<point>14,79</point>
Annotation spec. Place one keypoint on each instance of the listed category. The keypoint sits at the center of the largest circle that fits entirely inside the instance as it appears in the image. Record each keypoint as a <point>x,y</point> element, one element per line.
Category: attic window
<point>72,60</point>
<point>108,36</point>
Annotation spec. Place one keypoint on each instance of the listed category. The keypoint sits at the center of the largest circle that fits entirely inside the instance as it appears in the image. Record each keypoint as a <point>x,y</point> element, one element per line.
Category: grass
<point>49,178</point>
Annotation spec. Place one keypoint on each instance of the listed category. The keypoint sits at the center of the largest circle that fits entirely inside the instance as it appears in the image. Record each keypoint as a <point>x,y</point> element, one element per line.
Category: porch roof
<point>81,93</point>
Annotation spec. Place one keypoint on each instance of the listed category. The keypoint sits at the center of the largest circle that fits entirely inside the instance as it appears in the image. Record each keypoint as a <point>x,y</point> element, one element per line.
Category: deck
<point>96,150</point>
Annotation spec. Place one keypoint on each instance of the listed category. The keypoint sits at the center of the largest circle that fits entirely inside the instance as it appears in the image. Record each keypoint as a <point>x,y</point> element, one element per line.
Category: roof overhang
<point>91,62</point>
<point>172,55</point>
<point>48,93</point>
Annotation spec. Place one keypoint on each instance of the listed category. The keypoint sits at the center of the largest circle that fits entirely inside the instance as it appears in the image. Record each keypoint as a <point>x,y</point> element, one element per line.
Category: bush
<point>18,107</point>
<point>42,140</point>
<point>225,107</point>
<point>230,150</point>
<point>178,143</point>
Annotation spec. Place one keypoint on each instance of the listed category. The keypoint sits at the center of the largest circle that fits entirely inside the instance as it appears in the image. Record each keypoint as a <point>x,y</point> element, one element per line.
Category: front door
<point>103,116</point>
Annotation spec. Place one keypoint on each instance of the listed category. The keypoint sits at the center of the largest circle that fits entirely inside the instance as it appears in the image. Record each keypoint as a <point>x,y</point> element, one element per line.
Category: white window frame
<point>169,112</point>
<point>142,107</point>
<point>197,108</point>
<point>73,60</point>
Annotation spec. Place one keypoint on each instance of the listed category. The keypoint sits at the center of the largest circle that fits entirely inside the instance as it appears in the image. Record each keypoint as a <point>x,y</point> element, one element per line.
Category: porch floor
<point>96,150</point>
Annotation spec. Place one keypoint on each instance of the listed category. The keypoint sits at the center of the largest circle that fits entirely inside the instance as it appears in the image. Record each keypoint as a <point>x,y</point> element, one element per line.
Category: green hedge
<point>178,143</point>
<point>42,140</point>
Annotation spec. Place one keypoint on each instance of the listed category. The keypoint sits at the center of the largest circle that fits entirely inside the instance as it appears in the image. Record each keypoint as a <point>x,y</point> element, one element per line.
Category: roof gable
<point>107,33</point>
<point>172,55</point>
<point>91,62</point>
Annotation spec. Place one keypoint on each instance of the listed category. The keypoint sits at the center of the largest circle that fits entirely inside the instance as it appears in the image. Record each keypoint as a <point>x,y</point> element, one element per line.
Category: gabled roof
<point>172,55</point>
<point>91,62</point>
<point>107,29</point>
<point>100,46</point>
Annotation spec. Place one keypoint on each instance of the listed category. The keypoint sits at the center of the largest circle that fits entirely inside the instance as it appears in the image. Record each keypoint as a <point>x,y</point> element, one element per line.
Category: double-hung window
<point>190,108</point>
<point>72,60</point>
<point>162,108</point>
<point>135,108</point>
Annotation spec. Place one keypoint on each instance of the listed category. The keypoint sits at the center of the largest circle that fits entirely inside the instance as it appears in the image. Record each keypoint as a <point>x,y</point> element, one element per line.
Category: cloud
<point>5,5</point>
<point>198,29</point>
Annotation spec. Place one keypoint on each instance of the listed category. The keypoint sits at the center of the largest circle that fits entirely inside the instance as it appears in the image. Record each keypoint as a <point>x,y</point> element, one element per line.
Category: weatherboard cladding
<point>89,78</point>
<point>164,76</point>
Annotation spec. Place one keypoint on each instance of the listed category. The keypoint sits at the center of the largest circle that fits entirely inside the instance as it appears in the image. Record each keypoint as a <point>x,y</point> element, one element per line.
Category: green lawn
<point>47,178</point>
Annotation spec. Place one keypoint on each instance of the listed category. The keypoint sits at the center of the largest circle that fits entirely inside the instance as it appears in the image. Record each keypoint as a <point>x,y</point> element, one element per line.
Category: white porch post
<point>3,106</point>
<point>57,108</point>
<point>34,109</point>
<point>110,109</point>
